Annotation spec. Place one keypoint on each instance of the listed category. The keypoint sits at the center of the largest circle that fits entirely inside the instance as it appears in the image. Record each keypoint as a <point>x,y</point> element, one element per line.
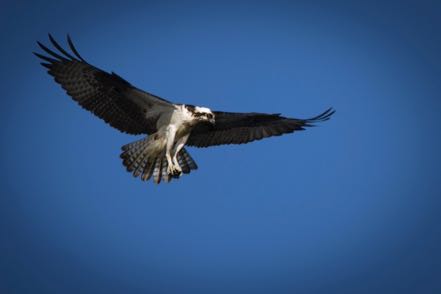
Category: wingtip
<point>37,54</point>
<point>324,116</point>
<point>40,45</point>
<point>45,58</point>
<point>74,50</point>
<point>327,114</point>
<point>46,65</point>
<point>330,112</point>
<point>52,39</point>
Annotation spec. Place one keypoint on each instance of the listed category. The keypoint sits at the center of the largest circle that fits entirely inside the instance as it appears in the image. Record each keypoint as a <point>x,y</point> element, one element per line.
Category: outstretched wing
<point>107,95</point>
<point>240,128</point>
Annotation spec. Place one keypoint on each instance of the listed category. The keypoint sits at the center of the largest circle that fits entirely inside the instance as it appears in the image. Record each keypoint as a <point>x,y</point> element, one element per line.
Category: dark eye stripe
<point>199,114</point>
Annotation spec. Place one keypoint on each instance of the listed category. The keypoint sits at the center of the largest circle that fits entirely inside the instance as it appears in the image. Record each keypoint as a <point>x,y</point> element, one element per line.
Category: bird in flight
<point>160,155</point>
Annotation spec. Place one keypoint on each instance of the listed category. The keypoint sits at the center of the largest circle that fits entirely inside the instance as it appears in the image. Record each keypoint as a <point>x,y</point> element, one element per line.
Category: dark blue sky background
<point>352,206</point>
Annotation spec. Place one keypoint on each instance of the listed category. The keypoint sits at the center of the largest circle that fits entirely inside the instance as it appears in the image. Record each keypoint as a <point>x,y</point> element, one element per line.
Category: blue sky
<point>351,206</point>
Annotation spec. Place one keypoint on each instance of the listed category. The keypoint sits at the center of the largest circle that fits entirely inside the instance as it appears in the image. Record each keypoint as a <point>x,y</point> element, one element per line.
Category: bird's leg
<point>178,146</point>
<point>171,168</point>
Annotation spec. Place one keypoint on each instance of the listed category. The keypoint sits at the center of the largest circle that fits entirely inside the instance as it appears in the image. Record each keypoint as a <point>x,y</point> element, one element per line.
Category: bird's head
<point>203,114</point>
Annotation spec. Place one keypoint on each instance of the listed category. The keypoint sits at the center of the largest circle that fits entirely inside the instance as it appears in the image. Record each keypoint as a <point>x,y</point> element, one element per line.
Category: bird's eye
<point>210,115</point>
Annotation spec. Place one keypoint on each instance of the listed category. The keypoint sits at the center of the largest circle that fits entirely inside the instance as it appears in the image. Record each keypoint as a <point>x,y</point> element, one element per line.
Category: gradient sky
<point>351,206</point>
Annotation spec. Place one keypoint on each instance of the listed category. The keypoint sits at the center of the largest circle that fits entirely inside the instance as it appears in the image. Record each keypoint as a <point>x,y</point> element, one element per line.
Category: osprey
<point>169,126</point>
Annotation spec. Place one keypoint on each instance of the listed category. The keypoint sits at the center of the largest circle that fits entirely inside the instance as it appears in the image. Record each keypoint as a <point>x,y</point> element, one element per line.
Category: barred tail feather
<point>148,170</point>
<point>157,171</point>
<point>145,162</point>
<point>184,166</point>
<point>164,174</point>
<point>133,154</point>
<point>186,161</point>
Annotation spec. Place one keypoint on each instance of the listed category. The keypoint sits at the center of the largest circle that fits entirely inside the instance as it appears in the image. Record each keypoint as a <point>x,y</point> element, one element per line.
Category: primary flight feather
<point>169,126</point>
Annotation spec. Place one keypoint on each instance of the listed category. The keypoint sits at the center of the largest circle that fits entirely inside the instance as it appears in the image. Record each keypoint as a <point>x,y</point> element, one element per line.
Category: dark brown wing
<point>240,128</point>
<point>107,95</point>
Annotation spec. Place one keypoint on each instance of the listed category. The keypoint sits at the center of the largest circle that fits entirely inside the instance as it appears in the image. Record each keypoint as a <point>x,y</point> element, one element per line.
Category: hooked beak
<point>212,121</point>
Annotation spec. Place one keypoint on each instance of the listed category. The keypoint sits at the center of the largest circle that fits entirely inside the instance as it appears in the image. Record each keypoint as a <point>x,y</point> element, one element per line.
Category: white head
<point>201,113</point>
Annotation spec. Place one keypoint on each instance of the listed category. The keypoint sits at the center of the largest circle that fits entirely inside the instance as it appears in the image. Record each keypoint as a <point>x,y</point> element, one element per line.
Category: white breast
<point>179,121</point>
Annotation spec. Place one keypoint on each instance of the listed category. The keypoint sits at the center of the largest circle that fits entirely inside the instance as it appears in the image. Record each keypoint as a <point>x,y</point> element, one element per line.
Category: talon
<point>174,170</point>
<point>176,174</point>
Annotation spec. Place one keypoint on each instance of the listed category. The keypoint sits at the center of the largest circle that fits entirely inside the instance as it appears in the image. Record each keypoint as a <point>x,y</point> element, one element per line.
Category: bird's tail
<point>142,159</point>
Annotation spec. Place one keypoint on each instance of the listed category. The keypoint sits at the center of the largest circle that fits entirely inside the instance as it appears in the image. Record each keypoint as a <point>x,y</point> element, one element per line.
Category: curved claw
<point>174,170</point>
<point>176,174</point>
